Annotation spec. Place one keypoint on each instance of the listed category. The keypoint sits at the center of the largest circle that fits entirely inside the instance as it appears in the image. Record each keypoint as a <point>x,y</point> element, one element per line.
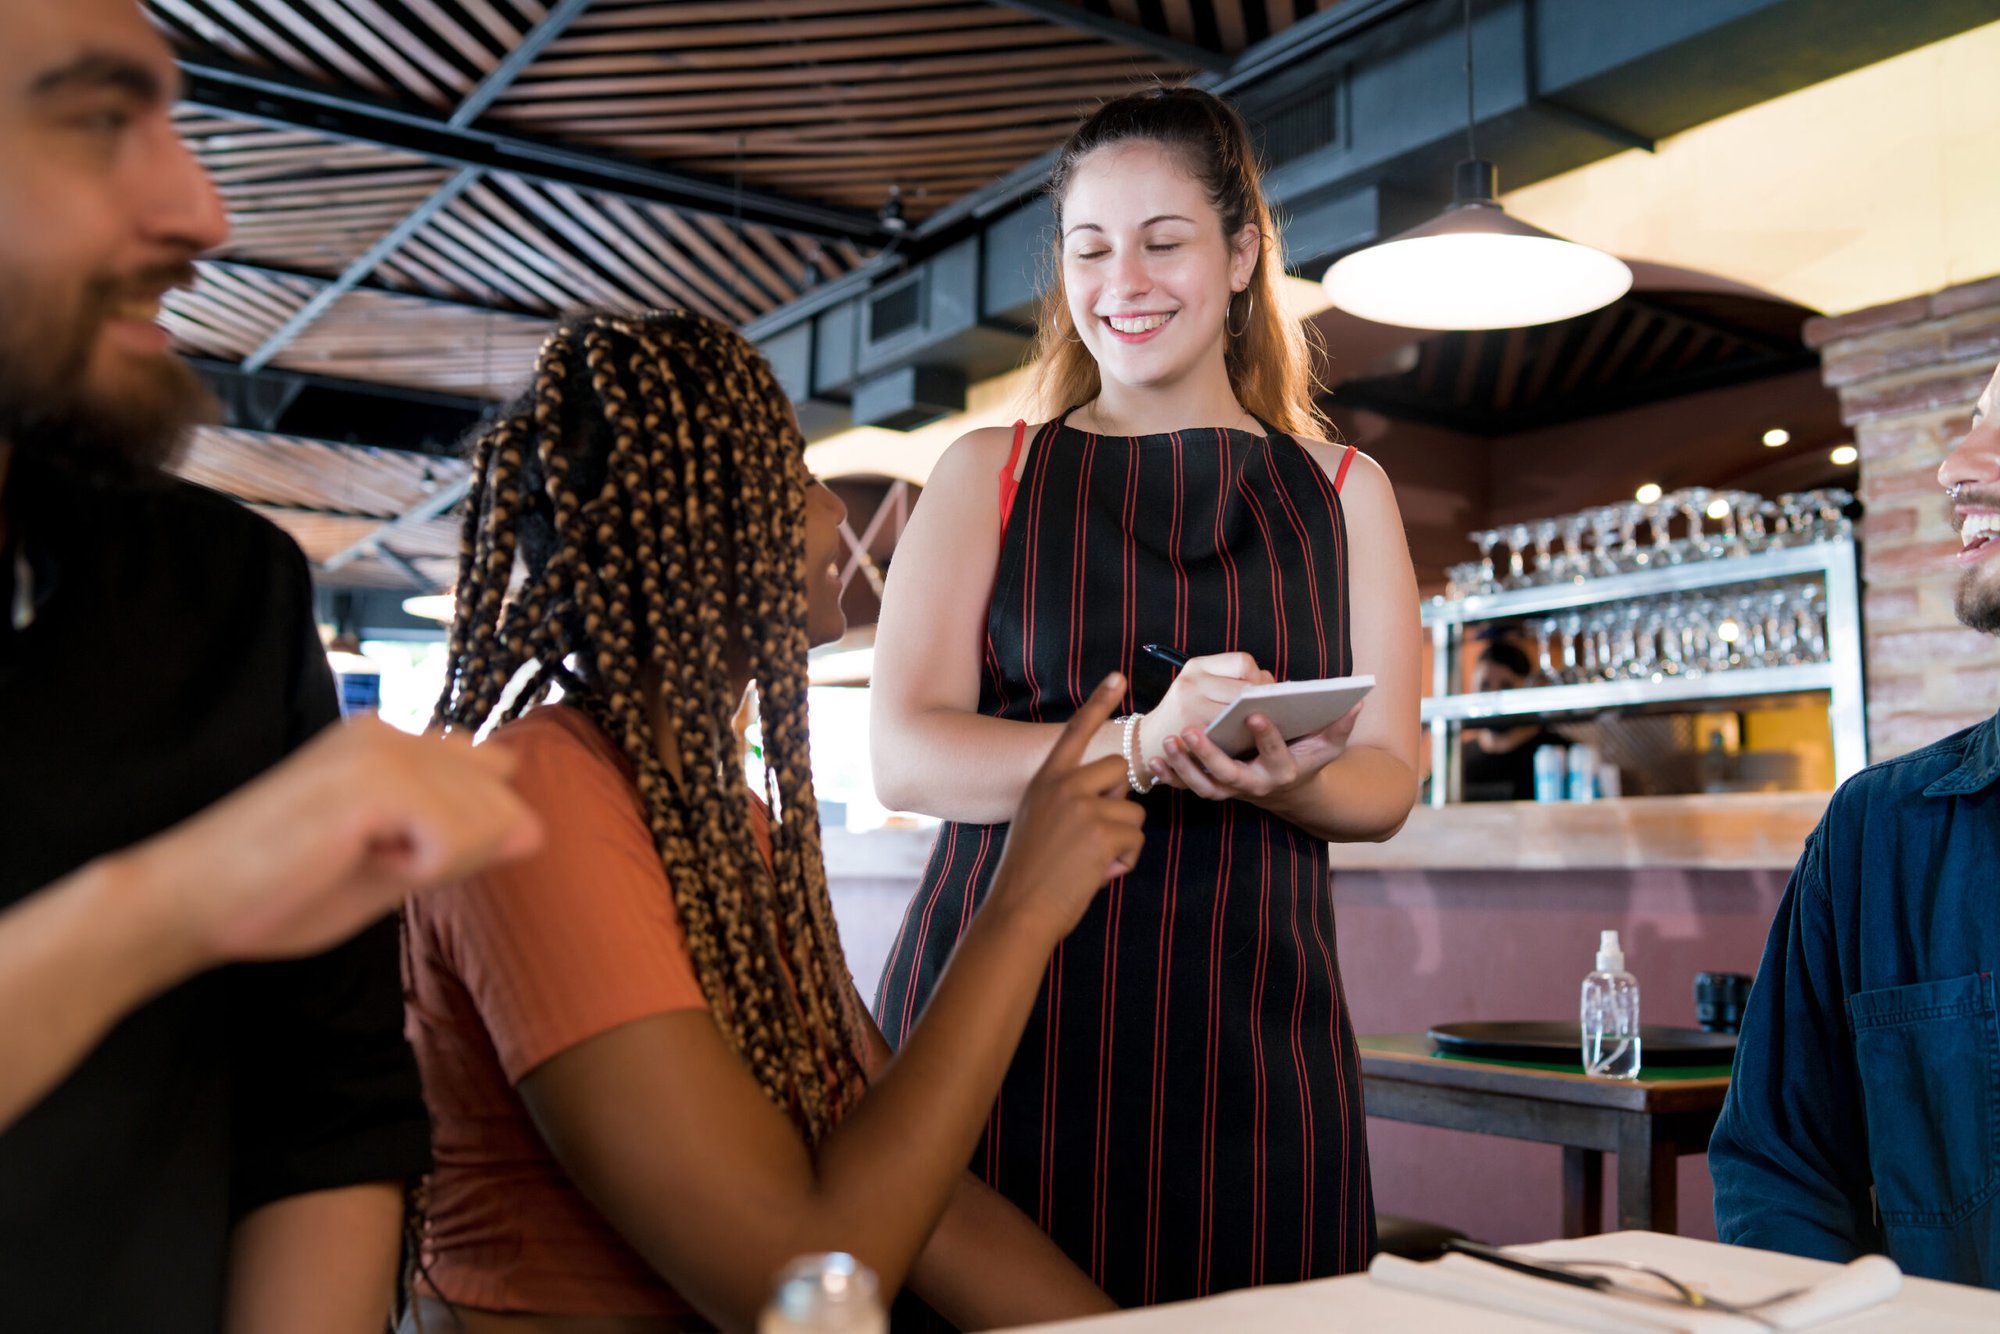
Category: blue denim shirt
<point>1864,1113</point>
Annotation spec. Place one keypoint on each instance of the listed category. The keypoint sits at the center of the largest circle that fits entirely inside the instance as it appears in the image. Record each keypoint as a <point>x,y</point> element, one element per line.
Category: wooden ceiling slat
<point>471,50</point>
<point>318,47</point>
<point>886,72</point>
<point>346,207</point>
<point>260,298</point>
<point>1067,87</point>
<point>223,38</point>
<point>781,59</point>
<point>1006,155</point>
<point>624,238</point>
<point>608,258</point>
<point>1586,354</point>
<point>787,259</point>
<point>480,276</point>
<point>453,81</point>
<point>383,40</point>
<point>709,266</point>
<point>1637,325</point>
<point>743,257</point>
<point>1179,15</point>
<point>405,341</point>
<point>1513,357</point>
<point>592,288</point>
<point>314,475</point>
<point>417,182</point>
<point>1229,23</point>
<point>960,113</point>
<point>506,32</point>
<point>900,143</point>
<point>528,272</point>
<point>683,36</point>
<point>610,15</point>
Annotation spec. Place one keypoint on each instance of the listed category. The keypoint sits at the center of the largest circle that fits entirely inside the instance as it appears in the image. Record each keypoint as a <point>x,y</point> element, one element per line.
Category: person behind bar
<point>1864,1111</point>
<point>642,1048</point>
<point>1185,1113</point>
<point>183,1148</point>
<point>1498,763</point>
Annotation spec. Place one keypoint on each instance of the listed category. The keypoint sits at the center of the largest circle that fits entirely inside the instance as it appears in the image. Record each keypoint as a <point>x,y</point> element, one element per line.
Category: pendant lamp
<point>1472,266</point>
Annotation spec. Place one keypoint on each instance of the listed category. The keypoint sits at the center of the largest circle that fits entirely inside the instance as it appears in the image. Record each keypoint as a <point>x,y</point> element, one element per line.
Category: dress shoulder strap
<point>1340,473</point>
<point>1008,483</point>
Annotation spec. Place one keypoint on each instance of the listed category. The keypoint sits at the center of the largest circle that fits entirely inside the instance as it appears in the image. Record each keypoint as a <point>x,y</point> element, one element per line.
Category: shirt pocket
<point>1929,1059</point>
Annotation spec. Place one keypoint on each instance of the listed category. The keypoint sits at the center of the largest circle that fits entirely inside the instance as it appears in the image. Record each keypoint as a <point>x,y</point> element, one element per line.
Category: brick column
<point>1907,374</point>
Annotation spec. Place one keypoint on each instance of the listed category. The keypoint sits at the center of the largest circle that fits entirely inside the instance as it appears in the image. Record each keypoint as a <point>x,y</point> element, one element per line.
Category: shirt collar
<point>1979,766</point>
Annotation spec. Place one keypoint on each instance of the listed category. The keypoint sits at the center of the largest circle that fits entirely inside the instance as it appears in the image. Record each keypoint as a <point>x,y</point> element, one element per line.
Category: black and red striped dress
<point>1184,1113</point>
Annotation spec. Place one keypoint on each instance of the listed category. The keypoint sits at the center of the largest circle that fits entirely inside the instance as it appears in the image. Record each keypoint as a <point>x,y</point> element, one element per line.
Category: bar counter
<point>1741,831</point>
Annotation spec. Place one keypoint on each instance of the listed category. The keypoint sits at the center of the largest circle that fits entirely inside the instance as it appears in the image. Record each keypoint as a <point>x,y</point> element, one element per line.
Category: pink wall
<point>1419,948</point>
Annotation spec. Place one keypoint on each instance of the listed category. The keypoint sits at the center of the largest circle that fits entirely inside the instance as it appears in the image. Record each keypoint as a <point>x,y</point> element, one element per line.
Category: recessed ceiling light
<point>1648,493</point>
<point>1844,455</point>
<point>1777,436</point>
<point>1717,508</point>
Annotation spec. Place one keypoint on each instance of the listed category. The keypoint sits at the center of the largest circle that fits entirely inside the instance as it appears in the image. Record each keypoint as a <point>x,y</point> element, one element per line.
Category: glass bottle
<point>833,1293</point>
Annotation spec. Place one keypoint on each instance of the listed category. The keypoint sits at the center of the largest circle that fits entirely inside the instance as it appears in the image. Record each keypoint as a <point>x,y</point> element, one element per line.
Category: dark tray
<point>1559,1043</point>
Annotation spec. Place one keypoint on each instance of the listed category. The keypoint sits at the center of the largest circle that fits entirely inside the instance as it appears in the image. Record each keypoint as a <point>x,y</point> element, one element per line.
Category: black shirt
<point>168,657</point>
<point>1505,775</point>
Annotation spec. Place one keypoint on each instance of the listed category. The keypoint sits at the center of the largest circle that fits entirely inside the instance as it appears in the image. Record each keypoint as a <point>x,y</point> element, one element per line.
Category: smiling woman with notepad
<point>1184,1115</point>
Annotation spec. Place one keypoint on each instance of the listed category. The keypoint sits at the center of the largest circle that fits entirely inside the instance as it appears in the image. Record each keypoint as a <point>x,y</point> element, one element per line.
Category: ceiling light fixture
<point>1843,455</point>
<point>1472,266</point>
<point>431,606</point>
<point>1648,493</point>
<point>1777,437</point>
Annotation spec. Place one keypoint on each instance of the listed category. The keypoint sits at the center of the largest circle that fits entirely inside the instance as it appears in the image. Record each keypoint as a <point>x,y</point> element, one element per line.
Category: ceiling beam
<point>247,95</point>
<point>1113,29</point>
<point>277,401</point>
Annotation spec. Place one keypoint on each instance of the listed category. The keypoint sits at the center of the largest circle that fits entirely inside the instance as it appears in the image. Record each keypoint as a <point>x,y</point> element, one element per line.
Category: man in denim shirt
<point>1864,1114</point>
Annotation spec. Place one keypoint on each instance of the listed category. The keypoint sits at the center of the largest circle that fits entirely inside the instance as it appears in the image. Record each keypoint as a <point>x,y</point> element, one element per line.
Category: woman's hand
<point>1204,687</point>
<point>1074,830</point>
<point>1194,762</point>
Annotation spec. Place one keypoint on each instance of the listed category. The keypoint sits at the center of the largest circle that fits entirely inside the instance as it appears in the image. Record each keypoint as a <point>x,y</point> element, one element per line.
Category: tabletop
<point>1358,1304</point>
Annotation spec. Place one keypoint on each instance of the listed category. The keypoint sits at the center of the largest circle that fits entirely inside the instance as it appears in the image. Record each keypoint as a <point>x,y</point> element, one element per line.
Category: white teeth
<point>1978,527</point>
<point>1134,324</point>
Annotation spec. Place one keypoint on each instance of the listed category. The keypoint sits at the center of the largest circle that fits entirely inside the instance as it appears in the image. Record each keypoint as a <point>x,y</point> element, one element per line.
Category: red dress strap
<point>1340,473</point>
<point>1008,483</point>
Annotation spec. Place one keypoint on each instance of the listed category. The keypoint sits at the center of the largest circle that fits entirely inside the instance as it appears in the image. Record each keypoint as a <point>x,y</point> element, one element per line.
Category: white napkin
<point>1866,1282</point>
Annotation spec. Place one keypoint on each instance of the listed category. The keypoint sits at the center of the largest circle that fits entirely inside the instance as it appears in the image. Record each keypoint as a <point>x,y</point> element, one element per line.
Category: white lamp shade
<point>1473,267</point>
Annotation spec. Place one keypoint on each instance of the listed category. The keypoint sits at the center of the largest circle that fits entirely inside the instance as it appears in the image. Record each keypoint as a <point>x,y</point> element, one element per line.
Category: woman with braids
<point>643,1053</point>
<point>1184,1112</point>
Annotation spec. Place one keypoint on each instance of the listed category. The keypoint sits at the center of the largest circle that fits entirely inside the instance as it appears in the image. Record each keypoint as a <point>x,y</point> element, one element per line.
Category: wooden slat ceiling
<point>330,496</point>
<point>1647,346</point>
<point>826,102</point>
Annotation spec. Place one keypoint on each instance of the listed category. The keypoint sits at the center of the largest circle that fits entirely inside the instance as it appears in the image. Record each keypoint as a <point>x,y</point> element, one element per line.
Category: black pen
<point>1166,655</point>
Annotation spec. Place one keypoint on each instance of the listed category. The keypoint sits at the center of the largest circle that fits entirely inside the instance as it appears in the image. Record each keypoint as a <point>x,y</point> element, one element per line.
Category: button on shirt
<point>1864,1112</point>
<point>158,653</point>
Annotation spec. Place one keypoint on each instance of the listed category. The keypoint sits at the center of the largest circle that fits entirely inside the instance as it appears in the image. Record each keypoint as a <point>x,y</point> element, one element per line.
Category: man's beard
<point>57,423</point>
<point>1977,601</point>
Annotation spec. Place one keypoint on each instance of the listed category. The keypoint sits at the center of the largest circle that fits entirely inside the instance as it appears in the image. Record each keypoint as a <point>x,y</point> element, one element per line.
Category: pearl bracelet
<point>1129,732</point>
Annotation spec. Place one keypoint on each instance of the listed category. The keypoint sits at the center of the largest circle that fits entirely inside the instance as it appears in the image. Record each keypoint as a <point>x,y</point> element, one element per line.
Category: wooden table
<point>1649,1124</point>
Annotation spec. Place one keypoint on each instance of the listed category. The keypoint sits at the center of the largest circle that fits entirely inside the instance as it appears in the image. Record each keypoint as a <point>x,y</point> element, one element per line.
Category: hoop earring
<point>1072,337</point>
<point>1249,309</point>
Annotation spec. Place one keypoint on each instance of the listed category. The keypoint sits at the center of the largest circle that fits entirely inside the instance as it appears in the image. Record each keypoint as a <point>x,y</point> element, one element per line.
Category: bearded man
<point>184,1146</point>
<point>1864,1112</point>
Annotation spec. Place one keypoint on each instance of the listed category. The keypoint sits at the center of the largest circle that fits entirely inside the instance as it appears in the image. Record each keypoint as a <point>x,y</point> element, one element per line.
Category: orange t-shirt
<point>509,969</point>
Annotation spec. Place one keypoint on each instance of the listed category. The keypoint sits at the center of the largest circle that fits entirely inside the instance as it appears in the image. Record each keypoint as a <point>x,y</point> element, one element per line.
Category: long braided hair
<point>649,482</point>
